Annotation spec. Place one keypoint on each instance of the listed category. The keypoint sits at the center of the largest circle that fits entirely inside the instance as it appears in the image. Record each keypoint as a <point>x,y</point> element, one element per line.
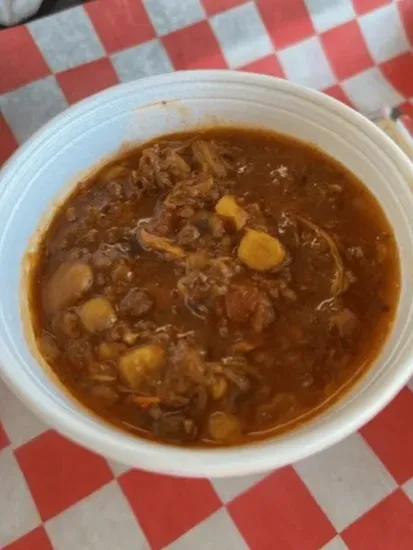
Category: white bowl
<point>44,169</point>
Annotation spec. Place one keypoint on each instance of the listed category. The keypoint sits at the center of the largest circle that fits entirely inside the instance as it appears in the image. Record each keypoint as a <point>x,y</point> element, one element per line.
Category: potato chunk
<point>260,251</point>
<point>227,206</point>
<point>141,363</point>
<point>161,244</point>
<point>97,314</point>
<point>67,284</point>
<point>218,387</point>
<point>223,427</point>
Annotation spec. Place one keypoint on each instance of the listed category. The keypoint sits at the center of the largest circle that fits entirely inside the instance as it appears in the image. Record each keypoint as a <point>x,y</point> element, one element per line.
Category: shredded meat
<point>161,167</point>
<point>199,190</point>
<point>210,157</point>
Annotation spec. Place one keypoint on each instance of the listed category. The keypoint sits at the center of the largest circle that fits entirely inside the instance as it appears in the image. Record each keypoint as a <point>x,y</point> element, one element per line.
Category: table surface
<point>53,494</point>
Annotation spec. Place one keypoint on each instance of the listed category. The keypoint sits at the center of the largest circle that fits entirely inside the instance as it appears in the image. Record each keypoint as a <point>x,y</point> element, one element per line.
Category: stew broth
<point>214,288</point>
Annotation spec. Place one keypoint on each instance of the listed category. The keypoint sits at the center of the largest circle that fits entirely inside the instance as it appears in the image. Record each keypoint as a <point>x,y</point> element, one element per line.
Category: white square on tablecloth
<point>118,468</point>
<point>408,488</point>
<point>307,64</point>
<point>29,107</point>
<point>384,34</point>
<point>217,532</point>
<point>369,91</point>
<point>335,544</point>
<point>101,521</point>
<point>229,488</point>
<point>18,513</point>
<point>20,424</point>
<point>146,59</point>
<point>67,39</point>
<point>241,35</point>
<point>346,480</point>
<point>168,16</point>
<point>327,14</point>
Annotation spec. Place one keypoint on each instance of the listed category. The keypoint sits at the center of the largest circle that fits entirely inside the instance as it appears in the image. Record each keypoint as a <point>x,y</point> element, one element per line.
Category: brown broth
<point>310,343</point>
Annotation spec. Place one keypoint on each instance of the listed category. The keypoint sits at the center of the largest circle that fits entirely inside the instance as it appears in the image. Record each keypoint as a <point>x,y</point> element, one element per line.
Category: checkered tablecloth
<point>55,495</point>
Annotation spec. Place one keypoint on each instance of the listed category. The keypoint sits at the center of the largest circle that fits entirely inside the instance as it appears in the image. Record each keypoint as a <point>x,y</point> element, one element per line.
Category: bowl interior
<point>48,166</point>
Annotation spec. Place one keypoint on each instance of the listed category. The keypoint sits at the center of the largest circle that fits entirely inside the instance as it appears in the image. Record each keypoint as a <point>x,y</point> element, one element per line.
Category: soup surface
<point>214,288</point>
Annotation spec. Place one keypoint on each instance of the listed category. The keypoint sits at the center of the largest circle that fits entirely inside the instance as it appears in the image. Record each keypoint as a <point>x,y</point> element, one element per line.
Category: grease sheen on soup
<point>213,288</point>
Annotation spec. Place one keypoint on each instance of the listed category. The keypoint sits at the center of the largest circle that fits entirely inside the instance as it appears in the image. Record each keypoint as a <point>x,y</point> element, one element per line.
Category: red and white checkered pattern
<point>55,495</point>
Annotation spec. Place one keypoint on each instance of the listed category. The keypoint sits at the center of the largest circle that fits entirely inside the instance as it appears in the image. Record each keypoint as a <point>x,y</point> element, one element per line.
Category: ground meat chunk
<point>186,376</point>
<point>187,235</point>
<point>136,303</point>
<point>67,324</point>
<point>204,281</point>
<point>187,362</point>
<point>238,302</point>
<point>355,253</point>
<point>163,222</point>
<point>248,304</point>
<point>79,352</point>
<point>121,273</point>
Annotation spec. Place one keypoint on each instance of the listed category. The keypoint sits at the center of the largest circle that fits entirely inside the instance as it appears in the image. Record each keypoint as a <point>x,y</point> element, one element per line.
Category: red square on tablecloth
<point>20,59</point>
<point>60,473</point>
<point>364,6</point>
<point>346,50</point>
<point>387,526</point>
<point>167,507</point>
<point>286,25</point>
<point>87,79</point>
<point>265,65</point>
<point>399,72</point>
<point>194,47</point>
<point>280,513</point>
<point>390,435</point>
<point>8,142</point>
<point>120,23</point>
<point>407,109</point>
<point>216,6</point>
<point>4,440</point>
<point>338,93</point>
<point>35,540</point>
<point>406,14</point>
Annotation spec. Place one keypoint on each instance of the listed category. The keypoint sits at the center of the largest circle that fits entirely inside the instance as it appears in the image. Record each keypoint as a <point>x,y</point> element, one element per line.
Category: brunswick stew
<point>214,288</point>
